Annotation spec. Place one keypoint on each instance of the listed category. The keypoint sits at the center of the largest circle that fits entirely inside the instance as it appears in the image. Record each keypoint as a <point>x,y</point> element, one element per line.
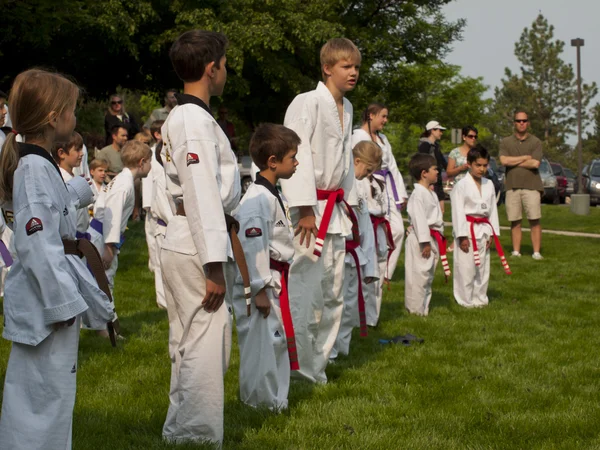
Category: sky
<point>493,27</point>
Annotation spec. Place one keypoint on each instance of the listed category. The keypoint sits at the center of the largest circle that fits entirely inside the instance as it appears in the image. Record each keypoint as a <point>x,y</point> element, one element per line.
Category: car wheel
<point>556,199</point>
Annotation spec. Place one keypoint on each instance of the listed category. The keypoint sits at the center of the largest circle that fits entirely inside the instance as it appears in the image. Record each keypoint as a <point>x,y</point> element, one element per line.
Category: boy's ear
<point>327,70</point>
<point>272,162</point>
<point>210,69</point>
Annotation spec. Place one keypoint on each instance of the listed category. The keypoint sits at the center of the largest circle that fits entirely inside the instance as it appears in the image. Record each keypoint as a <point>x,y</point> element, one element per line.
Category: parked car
<point>571,178</point>
<point>245,168</point>
<point>496,175</point>
<point>561,181</point>
<point>549,181</point>
<point>591,181</point>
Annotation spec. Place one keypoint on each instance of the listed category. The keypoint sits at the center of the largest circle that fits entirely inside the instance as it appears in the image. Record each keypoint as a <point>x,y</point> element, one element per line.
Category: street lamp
<point>580,202</point>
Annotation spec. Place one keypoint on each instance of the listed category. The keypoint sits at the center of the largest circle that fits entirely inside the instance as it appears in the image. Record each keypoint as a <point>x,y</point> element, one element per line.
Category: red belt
<point>381,220</point>
<point>284,302</point>
<point>473,220</point>
<point>442,244</point>
<point>332,198</point>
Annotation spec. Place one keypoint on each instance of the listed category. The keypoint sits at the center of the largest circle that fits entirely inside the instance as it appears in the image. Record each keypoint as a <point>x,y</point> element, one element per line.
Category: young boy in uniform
<point>325,177</point>
<point>98,169</point>
<point>114,206</point>
<point>425,242</point>
<point>68,156</point>
<point>266,337</point>
<point>475,222</point>
<point>203,182</point>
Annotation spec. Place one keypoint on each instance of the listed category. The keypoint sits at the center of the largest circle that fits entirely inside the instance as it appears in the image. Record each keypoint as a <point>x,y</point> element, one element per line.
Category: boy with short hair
<point>425,242</point>
<point>325,177</point>
<point>114,206</point>
<point>474,223</point>
<point>203,183</point>
<point>68,156</point>
<point>266,337</point>
<point>98,169</point>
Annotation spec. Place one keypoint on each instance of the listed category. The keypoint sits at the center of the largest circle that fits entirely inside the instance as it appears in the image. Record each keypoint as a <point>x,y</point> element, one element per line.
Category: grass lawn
<point>522,373</point>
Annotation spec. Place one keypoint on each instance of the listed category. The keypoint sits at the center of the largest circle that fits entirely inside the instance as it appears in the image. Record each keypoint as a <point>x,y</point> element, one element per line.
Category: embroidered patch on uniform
<point>34,225</point>
<point>483,206</point>
<point>280,223</point>
<point>192,158</point>
<point>9,217</point>
<point>277,334</point>
<point>253,232</point>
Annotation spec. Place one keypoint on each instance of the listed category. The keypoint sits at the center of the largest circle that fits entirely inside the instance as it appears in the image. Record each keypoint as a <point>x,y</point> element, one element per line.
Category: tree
<point>546,88</point>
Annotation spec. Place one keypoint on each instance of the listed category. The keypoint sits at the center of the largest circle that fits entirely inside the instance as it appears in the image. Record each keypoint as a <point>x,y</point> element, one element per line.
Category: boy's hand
<point>370,280</point>
<point>108,256</point>
<point>426,253</point>
<point>262,303</point>
<point>215,287</point>
<point>463,243</point>
<point>306,225</point>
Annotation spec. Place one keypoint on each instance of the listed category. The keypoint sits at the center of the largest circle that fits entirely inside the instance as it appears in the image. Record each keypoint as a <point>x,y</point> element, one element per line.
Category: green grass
<point>522,373</point>
<point>554,217</point>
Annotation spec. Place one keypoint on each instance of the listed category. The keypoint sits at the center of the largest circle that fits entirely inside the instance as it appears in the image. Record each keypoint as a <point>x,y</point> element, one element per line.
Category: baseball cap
<point>433,124</point>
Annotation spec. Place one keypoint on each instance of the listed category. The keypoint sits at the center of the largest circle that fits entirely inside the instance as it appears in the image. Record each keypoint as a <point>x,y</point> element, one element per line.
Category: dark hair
<point>468,128</point>
<point>115,129</point>
<point>477,152</point>
<point>373,108</point>
<point>426,133</point>
<point>75,141</point>
<point>155,127</point>
<point>269,140</point>
<point>420,162</point>
<point>520,110</point>
<point>193,50</point>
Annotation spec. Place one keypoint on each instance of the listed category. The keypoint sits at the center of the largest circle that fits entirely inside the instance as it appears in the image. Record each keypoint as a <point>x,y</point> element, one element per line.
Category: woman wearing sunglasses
<point>116,115</point>
<point>457,159</point>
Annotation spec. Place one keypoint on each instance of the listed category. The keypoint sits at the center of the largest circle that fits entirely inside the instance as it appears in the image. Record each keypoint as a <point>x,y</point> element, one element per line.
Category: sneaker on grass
<point>515,253</point>
<point>537,256</point>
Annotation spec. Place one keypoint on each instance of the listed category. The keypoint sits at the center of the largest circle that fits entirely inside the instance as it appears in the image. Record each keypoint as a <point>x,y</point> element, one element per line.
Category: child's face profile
<point>362,169</point>
<point>478,168</point>
<point>73,158</point>
<point>98,174</point>
<point>287,166</point>
<point>343,74</point>
<point>431,175</point>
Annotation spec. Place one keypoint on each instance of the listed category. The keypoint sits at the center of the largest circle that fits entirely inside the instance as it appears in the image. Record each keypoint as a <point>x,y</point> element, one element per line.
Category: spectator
<point>170,101</point>
<point>457,159</point>
<point>116,115</point>
<point>429,144</point>
<point>112,152</point>
<point>227,126</point>
<point>521,153</point>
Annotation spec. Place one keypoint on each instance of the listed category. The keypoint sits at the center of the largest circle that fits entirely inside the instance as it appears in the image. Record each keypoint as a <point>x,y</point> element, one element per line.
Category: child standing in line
<point>425,242</point>
<point>360,265</point>
<point>474,223</point>
<point>266,337</point>
<point>98,169</point>
<point>324,179</point>
<point>68,156</point>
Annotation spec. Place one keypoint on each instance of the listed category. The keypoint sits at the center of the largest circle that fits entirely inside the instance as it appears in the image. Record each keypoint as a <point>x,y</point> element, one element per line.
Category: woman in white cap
<point>429,144</point>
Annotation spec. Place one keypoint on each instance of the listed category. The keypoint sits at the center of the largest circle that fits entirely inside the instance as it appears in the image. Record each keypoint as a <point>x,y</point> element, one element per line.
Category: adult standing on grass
<point>116,115</point>
<point>430,145</point>
<point>521,153</point>
<point>457,159</point>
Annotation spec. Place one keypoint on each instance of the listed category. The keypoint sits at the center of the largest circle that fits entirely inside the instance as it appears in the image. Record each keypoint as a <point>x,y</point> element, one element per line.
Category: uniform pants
<point>150,229</point>
<point>98,241</point>
<point>158,281</point>
<point>419,273</point>
<point>39,393</point>
<point>397,225</point>
<point>470,281</point>
<point>264,358</point>
<point>199,348</point>
<point>350,318</point>
<point>316,302</point>
<point>374,293</point>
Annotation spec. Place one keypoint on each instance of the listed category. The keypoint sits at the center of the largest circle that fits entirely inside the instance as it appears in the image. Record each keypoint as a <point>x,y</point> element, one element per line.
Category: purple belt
<point>386,173</point>
<point>85,236</point>
<point>161,222</point>
<point>5,254</point>
<point>97,225</point>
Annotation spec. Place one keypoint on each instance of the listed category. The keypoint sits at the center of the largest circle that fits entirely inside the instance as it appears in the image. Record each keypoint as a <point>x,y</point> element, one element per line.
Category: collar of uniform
<point>262,181</point>
<point>182,99</point>
<point>31,149</point>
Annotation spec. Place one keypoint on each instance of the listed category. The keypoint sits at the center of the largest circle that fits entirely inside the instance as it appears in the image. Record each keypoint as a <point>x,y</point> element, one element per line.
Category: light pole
<point>580,203</point>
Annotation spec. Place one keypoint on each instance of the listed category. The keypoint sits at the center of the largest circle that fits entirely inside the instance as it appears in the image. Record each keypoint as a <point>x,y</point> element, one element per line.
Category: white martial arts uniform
<point>84,169</point>
<point>44,287</point>
<point>112,209</point>
<point>371,189</point>
<point>202,173</point>
<point>424,213</point>
<point>83,216</point>
<point>150,222</point>
<point>316,283</point>
<point>389,167</point>
<point>471,281</point>
<point>265,234</point>
<point>368,266</point>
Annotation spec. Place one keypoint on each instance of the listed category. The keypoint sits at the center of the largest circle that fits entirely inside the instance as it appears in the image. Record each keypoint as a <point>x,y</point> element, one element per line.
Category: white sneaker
<point>537,256</point>
<point>515,253</point>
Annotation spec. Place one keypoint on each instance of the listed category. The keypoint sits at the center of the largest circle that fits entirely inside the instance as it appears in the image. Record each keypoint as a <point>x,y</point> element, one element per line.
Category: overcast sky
<point>493,27</point>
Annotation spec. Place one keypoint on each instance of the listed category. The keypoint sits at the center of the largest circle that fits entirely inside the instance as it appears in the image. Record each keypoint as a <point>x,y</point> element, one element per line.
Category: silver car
<point>549,182</point>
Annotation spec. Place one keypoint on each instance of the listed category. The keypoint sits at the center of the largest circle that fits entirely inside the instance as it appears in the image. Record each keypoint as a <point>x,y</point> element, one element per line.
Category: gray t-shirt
<point>113,157</point>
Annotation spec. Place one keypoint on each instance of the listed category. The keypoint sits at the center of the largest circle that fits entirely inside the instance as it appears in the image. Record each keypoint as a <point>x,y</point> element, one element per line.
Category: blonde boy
<point>325,177</point>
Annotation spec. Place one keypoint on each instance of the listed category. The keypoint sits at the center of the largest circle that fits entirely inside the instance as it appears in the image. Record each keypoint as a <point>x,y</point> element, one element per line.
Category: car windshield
<point>569,173</point>
<point>595,172</point>
<point>545,167</point>
<point>556,169</point>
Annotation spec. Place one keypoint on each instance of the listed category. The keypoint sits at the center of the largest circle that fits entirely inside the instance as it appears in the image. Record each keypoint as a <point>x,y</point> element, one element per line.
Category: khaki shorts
<point>517,199</point>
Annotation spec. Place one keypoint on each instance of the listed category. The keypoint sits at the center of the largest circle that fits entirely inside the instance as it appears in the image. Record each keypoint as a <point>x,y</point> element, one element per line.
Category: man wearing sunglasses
<point>521,154</point>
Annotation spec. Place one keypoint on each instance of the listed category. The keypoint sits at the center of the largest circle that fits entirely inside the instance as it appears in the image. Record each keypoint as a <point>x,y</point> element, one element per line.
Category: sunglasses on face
<point>117,102</point>
<point>472,136</point>
<point>521,120</point>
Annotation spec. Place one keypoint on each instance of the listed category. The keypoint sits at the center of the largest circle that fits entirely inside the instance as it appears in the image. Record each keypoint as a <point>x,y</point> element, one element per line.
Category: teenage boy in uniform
<point>203,182</point>
<point>324,179</point>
